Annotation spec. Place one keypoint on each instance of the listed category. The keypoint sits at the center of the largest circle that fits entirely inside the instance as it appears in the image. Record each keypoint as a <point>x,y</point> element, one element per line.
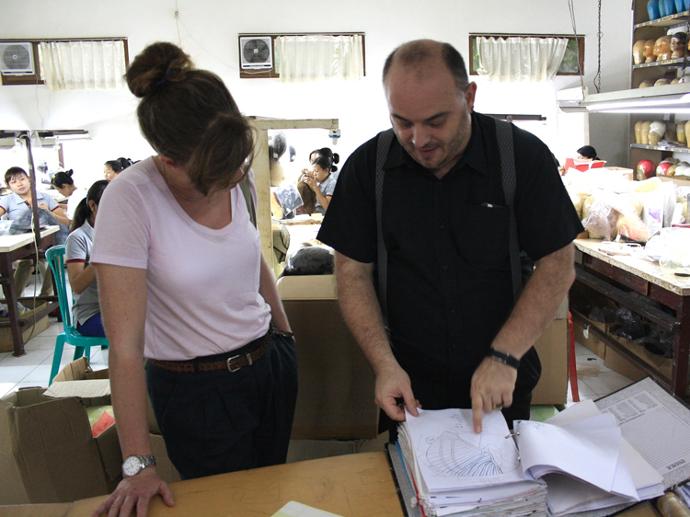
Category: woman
<point>82,276</point>
<point>182,283</point>
<point>112,168</point>
<point>587,152</point>
<point>320,179</point>
<point>64,184</point>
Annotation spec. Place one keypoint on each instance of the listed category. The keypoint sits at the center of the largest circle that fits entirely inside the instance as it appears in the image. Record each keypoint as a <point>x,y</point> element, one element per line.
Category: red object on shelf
<point>583,165</point>
<point>644,169</point>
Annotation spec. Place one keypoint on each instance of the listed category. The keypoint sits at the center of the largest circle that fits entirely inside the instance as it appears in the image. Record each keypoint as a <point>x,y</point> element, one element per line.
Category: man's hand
<point>392,384</point>
<point>492,388</point>
<point>133,494</point>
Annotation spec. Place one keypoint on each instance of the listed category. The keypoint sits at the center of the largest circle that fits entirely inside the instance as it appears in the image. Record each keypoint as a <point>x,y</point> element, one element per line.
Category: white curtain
<point>317,57</point>
<point>520,59</point>
<point>72,65</point>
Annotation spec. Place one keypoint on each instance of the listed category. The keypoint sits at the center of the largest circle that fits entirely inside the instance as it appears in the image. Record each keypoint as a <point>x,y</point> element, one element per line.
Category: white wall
<point>208,32</point>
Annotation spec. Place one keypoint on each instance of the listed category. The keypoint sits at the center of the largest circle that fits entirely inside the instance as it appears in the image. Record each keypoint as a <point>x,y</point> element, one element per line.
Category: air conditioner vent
<point>256,53</point>
<point>16,58</point>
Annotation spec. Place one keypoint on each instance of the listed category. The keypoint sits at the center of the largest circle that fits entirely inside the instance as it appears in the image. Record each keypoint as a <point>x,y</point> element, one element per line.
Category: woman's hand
<point>133,495</point>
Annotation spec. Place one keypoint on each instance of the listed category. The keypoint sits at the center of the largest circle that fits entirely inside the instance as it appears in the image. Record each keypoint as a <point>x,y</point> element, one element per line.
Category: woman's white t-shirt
<point>202,284</point>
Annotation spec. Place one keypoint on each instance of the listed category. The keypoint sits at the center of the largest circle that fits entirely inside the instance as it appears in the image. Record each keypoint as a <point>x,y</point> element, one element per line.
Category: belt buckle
<point>232,369</point>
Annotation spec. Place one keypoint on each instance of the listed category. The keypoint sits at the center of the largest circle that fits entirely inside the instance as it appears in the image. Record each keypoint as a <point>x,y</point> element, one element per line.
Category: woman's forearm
<point>269,291</point>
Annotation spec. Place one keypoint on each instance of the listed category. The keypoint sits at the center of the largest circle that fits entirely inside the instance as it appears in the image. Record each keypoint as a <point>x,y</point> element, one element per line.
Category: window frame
<point>35,78</point>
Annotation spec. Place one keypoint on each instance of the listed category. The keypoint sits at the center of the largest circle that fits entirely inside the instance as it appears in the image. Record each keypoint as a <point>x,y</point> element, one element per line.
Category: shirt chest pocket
<point>481,235</point>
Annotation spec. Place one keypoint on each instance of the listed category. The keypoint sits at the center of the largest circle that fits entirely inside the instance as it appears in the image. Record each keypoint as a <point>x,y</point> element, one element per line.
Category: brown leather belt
<point>231,361</point>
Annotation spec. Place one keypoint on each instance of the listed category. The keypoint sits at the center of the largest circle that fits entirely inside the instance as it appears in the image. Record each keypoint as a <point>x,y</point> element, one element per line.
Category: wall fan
<point>16,58</point>
<point>256,53</point>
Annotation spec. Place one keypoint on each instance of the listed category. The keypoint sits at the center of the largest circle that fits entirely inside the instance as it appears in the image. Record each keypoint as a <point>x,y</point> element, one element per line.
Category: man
<point>17,206</point>
<point>455,339</point>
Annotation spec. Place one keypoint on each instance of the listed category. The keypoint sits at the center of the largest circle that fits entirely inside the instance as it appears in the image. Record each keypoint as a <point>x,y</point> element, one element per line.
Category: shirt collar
<point>474,156</point>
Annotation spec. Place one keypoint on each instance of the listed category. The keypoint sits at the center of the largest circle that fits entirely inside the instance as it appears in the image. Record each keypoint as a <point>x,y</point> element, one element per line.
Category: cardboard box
<point>589,339</point>
<point>28,331</point>
<point>552,348</point>
<point>47,453</point>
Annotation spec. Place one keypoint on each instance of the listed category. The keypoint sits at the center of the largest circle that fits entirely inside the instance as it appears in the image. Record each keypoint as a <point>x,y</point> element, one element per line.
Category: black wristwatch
<point>504,358</point>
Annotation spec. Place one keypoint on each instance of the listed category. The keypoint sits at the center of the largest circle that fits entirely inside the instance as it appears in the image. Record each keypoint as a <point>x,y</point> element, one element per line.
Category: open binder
<point>594,458</point>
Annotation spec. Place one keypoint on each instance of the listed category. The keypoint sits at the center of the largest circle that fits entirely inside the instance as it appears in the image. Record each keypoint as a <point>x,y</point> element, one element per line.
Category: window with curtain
<point>520,57</point>
<point>83,64</point>
<point>318,57</point>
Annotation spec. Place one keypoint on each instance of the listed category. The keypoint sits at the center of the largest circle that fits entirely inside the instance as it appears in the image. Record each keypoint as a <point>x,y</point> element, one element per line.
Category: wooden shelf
<point>679,61</point>
<point>666,21</point>
<point>685,180</point>
<point>667,148</point>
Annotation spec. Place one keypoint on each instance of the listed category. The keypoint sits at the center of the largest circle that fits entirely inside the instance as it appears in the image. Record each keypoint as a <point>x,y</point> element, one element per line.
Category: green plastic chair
<point>55,257</point>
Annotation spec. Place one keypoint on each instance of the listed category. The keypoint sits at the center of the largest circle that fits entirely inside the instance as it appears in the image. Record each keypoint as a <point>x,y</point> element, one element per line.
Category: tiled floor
<point>594,379</point>
<point>33,368</point>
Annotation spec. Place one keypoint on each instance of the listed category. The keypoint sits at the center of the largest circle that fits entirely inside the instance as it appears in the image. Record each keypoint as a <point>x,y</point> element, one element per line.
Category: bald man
<point>456,337</point>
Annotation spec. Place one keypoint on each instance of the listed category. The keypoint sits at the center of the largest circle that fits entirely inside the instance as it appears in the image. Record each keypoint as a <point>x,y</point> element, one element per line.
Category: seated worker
<point>587,152</point>
<point>17,206</point>
<point>320,180</point>
<point>82,276</point>
<point>64,184</point>
<point>114,167</point>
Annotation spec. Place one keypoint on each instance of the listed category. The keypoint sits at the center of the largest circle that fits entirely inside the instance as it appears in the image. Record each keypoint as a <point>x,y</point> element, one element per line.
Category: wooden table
<point>350,485</point>
<point>615,276</point>
<point>16,247</point>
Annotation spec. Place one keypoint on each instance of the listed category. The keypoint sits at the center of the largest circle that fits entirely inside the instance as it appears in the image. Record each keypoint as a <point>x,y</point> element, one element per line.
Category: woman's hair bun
<point>336,158</point>
<point>157,66</point>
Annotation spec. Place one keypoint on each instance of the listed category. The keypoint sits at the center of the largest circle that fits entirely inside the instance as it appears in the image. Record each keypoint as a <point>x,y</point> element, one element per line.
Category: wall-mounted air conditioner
<point>256,53</point>
<point>17,58</point>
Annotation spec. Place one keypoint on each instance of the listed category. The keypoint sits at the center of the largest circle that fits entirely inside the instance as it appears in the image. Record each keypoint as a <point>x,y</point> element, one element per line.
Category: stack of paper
<point>585,461</point>
<point>457,472</point>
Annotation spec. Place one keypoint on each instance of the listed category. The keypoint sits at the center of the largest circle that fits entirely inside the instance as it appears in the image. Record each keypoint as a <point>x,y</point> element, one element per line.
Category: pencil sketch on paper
<point>451,455</point>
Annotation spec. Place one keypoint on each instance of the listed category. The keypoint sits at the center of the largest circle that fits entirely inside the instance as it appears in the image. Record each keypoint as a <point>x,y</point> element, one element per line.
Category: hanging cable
<point>597,77</point>
<point>580,72</point>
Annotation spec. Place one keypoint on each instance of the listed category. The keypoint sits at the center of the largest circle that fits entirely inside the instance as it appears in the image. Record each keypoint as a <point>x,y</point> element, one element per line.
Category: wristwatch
<point>135,464</point>
<point>502,357</point>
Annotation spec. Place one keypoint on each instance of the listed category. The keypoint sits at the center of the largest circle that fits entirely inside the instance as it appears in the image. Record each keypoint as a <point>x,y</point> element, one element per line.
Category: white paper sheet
<point>450,455</point>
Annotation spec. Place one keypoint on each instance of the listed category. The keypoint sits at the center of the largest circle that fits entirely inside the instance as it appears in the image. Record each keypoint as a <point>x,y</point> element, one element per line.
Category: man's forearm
<point>540,298</point>
<point>361,311</point>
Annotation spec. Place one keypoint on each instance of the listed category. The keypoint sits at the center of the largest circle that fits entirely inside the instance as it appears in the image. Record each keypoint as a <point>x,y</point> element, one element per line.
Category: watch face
<point>131,466</point>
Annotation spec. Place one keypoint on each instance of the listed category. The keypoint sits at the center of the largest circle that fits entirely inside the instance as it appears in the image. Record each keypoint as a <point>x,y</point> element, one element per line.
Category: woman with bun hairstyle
<point>113,168</point>
<point>320,179</point>
<point>183,285</point>
<point>82,276</point>
<point>64,184</point>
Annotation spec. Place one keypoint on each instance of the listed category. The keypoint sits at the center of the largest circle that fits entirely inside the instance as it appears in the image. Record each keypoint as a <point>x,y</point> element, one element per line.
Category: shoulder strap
<point>504,136</point>
<point>246,189</point>
<point>383,144</point>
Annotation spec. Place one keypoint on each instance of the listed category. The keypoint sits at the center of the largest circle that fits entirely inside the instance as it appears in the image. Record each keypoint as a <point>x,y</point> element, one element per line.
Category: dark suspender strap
<point>246,189</point>
<point>383,144</point>
<point>504,136</point>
